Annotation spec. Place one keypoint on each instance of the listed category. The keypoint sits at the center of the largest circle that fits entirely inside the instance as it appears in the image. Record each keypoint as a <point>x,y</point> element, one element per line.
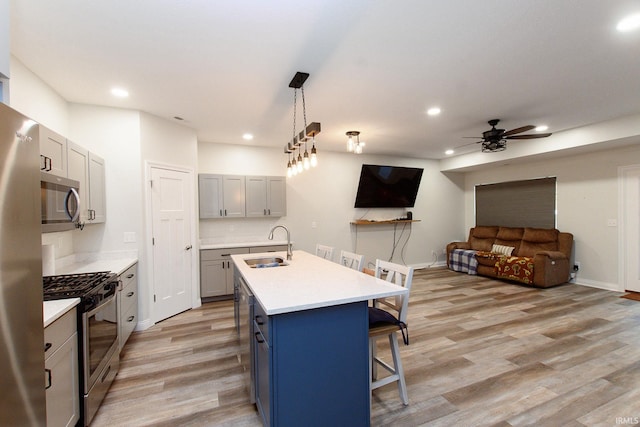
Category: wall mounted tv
<point>387,186</point>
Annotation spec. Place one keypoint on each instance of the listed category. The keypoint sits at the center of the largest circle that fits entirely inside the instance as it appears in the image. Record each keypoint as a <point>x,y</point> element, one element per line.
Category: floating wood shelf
<point>386,221</point>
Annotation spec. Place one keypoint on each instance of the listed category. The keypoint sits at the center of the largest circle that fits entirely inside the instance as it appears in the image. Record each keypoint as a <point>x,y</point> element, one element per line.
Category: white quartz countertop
<point>117,266</point>
<point>209,244</point>
<point>309,282</point>
<point>53,310</point>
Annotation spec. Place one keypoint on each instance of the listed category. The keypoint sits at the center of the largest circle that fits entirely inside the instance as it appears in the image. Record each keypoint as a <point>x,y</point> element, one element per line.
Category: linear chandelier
<point>301,162</point>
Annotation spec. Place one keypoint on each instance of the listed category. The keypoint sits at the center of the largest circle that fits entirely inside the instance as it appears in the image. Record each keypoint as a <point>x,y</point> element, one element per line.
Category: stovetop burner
<point>73,285</point>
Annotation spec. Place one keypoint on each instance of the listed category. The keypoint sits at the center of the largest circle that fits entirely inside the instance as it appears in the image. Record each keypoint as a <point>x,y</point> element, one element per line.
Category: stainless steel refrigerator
<point>22,380</point>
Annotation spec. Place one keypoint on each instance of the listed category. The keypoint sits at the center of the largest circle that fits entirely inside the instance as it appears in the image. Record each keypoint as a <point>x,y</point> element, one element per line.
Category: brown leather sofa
<point>547,252</point>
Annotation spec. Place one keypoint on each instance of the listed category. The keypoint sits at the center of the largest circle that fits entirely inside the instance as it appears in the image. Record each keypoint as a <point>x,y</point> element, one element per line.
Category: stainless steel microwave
<point>60,203</point>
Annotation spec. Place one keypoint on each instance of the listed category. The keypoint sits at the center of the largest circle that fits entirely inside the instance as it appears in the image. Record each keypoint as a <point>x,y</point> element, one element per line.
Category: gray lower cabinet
<point>61,371</point>
<point>216,268</point>
<point>216,271</point>
<point>127,304</point>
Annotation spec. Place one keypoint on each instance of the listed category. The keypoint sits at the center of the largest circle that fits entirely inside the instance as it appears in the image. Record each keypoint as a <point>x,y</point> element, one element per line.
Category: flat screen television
<point>388,186</point>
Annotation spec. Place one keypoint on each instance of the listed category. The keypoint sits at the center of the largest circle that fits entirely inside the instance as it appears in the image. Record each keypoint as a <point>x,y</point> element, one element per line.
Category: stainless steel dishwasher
<point>245,330</point>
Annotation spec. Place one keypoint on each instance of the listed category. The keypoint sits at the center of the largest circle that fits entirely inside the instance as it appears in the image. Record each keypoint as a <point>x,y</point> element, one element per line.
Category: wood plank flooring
<point>482,353</point>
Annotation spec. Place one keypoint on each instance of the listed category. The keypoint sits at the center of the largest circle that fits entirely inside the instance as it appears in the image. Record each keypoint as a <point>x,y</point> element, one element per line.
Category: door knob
<point>188,247</point>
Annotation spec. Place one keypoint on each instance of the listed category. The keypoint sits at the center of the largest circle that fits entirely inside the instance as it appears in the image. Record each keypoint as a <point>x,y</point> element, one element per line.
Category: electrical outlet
<point>576,266</point>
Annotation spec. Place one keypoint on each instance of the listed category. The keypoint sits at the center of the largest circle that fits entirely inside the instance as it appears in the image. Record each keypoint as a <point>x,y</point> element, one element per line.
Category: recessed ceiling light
<point>449,152</point>
<point>541,128</point>
<point>247,136</point>
<point>434,111</point>
<point>630,23</point>
<point>119,92</point>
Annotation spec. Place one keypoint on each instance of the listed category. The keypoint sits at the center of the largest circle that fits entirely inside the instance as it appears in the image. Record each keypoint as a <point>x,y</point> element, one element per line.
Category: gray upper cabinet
<point>53,152</point>
<point>266,196</point>
<point>88,169</point>
<point>221,196</point>
<point>235,196</point>
<point>97,187</point>
<point>210,196</point>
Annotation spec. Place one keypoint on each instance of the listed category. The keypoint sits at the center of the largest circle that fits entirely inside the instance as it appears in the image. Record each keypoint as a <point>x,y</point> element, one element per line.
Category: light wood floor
<point>482,353</point>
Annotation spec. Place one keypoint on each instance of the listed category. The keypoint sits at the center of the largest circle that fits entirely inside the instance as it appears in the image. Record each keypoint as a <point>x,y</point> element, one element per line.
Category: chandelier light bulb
<point>314,157</point>
<point>359,149</point>
<point>350,144</point>
<point>305,161</point>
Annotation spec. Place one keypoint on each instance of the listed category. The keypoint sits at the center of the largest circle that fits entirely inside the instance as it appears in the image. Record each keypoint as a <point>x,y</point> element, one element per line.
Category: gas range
<point>91,288</point>
<point>98,356</point>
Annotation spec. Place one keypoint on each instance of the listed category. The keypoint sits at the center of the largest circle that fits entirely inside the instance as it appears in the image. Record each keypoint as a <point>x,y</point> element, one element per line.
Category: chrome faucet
<point>289,252</point>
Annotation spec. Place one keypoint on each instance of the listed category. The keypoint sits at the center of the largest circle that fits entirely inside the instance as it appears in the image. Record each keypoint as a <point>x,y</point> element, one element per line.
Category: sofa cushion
<point>540,235</point>
<point>487,258</point>
<point>510,233</point>
<point>485,232</point>
<point>529,249</point>
<point>482,238</point>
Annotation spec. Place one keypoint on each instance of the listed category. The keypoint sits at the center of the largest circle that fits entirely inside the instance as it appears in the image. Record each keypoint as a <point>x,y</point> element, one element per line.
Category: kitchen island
<point>309,339</point>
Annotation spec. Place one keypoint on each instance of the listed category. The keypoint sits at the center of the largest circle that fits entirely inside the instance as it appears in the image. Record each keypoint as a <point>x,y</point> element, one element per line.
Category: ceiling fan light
<point>449,152</point>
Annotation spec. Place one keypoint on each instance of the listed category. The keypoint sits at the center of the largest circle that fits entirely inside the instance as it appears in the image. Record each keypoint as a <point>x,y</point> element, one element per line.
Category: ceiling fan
<point>495,140</point>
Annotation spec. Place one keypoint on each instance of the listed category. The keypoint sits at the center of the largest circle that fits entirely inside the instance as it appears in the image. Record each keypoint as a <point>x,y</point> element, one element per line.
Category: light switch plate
<point>612,223</point>
<point>129,237</point>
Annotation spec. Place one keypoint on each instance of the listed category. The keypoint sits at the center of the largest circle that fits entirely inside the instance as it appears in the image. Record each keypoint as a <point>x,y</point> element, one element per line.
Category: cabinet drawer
<point>129,299</point>
<point>59,331</point>
<point>261,321</point>
<point>129,320</point>
<point>213,254</point>
<point>272,248</point>
<point>129,275</point>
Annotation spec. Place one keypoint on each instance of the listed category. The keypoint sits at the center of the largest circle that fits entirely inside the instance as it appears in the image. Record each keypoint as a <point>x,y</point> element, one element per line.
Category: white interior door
<point>631,228</point>
<point>172,246</point>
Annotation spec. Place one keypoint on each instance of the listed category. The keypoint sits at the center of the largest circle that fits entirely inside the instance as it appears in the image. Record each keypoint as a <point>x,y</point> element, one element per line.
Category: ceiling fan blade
<point>518,130</point>
<point>538,135</point>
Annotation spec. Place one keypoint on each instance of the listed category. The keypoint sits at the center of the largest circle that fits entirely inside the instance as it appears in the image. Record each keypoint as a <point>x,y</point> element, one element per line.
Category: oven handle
<point>110,298</point>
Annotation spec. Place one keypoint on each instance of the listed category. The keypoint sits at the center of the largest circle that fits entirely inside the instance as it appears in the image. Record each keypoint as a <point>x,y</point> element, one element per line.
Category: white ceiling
<point>375,66</point>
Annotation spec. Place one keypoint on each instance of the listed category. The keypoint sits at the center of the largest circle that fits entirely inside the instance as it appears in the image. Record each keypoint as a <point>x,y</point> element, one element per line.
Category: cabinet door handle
<point>47,346</point>
<point>130,318</point>
<point>259,320</point>
<point>220,212</point>
<point>269,210</point>
<point>129,276</point>
<point>49,379</point>
<point>130,294</point>
<point>257,334</point>
<point>265,212</point>
<point>225,212</point>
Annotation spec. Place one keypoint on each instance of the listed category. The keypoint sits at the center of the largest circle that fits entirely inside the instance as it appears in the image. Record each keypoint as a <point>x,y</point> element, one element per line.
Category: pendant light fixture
<point>301,162</point>
<point>353,143</point>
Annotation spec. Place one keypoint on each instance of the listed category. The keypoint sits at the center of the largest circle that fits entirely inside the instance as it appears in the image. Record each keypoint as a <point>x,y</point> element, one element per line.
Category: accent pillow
<point>501,249</point>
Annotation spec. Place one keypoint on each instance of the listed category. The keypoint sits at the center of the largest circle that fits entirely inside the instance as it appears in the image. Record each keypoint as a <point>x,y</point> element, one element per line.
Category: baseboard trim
<point>599,285</point>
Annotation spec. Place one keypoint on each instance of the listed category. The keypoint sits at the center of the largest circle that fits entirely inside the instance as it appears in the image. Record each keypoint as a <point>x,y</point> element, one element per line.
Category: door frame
<point>623,176</point>
<point>148,246</point>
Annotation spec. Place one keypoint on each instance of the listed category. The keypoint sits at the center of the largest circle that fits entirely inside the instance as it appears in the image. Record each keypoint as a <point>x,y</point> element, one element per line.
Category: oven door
<point>100,334</point>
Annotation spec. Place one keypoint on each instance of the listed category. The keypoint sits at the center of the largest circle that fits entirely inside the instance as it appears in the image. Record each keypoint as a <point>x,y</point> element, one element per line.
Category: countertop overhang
<point>309,282</point>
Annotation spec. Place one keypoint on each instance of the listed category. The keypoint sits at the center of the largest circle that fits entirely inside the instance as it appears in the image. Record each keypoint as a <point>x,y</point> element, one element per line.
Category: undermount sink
<point>265,262</point>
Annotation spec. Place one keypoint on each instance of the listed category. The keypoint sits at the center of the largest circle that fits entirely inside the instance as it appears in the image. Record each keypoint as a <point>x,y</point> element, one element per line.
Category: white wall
<point>35,99</point>
<point>114,135</point>
<point>325,195</point>
<point>587,197</point>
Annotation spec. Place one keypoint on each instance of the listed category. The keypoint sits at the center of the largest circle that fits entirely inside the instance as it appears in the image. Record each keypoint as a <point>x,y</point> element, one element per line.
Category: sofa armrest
<point>456,245</point>
<point>551,268</point>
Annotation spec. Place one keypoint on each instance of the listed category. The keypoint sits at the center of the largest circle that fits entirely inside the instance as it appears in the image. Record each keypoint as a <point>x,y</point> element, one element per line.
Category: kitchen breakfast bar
<point>305,323</point>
